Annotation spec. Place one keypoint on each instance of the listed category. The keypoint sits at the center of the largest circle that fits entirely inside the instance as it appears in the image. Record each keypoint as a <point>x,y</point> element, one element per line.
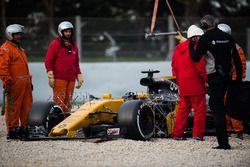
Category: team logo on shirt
<point>220,42</point>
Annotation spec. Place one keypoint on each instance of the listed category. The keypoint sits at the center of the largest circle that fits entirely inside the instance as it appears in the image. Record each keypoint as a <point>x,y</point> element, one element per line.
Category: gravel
<point>122,153</point>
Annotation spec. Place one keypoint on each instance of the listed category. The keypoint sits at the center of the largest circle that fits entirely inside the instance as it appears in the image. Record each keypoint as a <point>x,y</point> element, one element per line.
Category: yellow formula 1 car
<point>138,116</point>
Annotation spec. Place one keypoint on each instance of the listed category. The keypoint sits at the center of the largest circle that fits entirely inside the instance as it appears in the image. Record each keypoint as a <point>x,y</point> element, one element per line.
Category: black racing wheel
<point>46,114</point>
<point>136,119</point>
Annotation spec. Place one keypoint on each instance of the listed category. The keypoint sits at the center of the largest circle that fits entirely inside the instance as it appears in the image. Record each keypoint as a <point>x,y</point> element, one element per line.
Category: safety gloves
<point>180,38</point>
<point>50,74</point>
<point>79,79</point>
<point>51,79</point>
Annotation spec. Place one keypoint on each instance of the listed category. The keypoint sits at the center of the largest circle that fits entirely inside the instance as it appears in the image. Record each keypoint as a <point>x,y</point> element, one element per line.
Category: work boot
<point>179,138</point>
<point>24,132</point>
<point>14,133</point>
<point>197,138</point>
<point>237,135</point>
<point>240,136</point>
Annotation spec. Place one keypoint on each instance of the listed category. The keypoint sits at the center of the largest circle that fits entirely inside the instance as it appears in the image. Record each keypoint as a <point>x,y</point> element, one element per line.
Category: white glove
<point>180,38</point>
<point>51,79</point>
<point>80,81</point>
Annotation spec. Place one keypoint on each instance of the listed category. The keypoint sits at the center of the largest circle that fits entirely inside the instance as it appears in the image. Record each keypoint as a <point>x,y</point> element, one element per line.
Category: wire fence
<point>111,39</point>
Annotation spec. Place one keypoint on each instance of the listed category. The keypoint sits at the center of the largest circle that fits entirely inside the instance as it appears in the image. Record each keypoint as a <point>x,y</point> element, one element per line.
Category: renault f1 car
<point>138,116</point>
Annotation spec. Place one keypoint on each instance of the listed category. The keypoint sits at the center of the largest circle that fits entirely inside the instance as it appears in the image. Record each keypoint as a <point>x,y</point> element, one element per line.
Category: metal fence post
<point>171,40</point>
<point>79,35</point>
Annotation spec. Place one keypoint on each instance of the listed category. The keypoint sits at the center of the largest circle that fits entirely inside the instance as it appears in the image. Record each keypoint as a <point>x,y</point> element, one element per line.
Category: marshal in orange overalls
<point>14,71</point>
<point>234,125</point>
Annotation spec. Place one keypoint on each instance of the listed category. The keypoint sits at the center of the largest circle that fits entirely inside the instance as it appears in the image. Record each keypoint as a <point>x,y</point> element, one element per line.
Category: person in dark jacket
<point>191,78</point>
<point>62,66</point>
<point>219,50</point>
<point>234,126</point>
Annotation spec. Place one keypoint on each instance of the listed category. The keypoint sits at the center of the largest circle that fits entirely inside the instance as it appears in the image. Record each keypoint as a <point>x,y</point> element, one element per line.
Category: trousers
<point>18,103</point>
<point>198,103</point>
<point>217,90</point>
<point>63,93</point>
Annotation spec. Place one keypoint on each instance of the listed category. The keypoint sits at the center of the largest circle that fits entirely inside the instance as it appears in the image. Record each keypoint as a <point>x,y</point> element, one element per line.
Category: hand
<point>180,38</point>
<point>79,79</point>
<point>51,79</point>
<point>50,74</point>
<point>7,86</point>
<point>207,88</point>
<point>51,82</point>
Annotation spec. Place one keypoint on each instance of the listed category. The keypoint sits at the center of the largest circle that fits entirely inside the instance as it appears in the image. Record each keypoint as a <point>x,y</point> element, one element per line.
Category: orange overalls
<point>234,125</point>
<point>14,68</point>
<point>63,93</point>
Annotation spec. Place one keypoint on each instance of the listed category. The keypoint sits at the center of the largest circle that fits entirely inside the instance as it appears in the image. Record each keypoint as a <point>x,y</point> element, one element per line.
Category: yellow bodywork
<point>142,95</point>
<point>90,113</point>
<point>100,111</point>
<point>170,119</point>
<point>168,77</point>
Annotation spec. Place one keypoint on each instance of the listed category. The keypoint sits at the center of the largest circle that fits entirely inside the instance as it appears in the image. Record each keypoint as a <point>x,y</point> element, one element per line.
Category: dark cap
<point>207,21</point>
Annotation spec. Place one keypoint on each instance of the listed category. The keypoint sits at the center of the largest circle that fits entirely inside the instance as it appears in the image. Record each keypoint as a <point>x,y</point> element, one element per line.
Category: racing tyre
<point>136,119</point>
<point>46,114</point>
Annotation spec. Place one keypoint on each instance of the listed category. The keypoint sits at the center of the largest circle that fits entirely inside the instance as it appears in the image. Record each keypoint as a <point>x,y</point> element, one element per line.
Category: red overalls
<point>191,79</point>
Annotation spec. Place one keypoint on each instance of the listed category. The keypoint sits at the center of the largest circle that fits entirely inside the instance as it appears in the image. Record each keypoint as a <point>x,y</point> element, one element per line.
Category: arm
<point>197,52</point>
<point>4,68</point>
<point>4,64</point>
<point>49,63</point>
<point>243,60</point>
<point>237,63</point>
<point>201,69</point>
<point>174,63</point>
<point>50,57</point>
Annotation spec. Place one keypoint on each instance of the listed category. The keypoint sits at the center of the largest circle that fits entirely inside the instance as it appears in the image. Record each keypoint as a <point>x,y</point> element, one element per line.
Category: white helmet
<point>225,28</point>
<point>194,30</point>
<point>13,28</point>
<point>63,26</point>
